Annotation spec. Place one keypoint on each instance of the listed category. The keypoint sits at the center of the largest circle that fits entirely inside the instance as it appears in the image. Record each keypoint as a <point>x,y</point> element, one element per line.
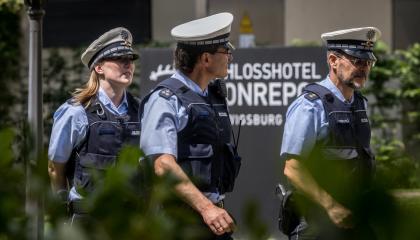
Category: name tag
<point>343,121</point>
<point>222,114</point>
<point>364,120</point>
<point>135,133</point>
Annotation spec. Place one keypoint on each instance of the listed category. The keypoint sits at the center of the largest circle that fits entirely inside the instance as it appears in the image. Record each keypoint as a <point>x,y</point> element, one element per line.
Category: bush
<point>391,82</point>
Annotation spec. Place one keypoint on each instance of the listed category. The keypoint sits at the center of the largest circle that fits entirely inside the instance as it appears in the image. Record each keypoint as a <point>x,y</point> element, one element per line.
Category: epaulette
<point>166,93</point>
<point>311,96</point>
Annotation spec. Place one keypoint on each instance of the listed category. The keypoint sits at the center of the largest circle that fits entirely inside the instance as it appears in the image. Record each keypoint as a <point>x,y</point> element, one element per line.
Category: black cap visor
<point>362,54</point>
<point>122,53</point>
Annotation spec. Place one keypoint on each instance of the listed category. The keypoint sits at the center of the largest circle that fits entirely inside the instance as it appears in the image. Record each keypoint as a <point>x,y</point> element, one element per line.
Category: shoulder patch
<point>311,96</point>
<point>166,93</point>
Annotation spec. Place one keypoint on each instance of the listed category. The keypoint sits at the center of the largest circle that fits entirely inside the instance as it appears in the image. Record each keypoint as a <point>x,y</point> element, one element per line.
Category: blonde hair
<point>84,95</point>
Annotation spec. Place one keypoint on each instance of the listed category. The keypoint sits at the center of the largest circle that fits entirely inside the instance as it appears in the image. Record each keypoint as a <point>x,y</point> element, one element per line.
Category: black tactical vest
<point>343,163</point>
<point>106,134</point>
<point>205,150</point>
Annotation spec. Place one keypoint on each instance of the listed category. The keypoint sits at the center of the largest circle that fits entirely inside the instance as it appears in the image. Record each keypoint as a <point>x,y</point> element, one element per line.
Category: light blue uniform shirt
<point>306,122</point>
<point>70,127</point>
<point>161,121</point>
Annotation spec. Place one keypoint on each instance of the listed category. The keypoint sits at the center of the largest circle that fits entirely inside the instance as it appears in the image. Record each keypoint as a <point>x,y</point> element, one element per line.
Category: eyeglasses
<point>228,53</point>
<point>223,52</point>
<point>357,61</point>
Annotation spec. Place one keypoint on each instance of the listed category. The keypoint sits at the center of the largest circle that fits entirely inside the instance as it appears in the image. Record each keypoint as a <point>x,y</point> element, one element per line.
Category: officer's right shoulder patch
<point>166,93</point>
<point>311,96</point>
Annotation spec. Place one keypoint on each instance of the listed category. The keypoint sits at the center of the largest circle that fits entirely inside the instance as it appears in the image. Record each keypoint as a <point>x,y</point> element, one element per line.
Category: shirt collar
<point>330,85</point>
<point>103,97</point>
<point>190,83</point>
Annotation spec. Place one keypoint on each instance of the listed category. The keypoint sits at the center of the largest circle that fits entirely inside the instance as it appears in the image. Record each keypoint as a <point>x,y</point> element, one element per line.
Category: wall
<point>266,16</point>
<point>406,23</point>
<point>308,19</point>
<point>168,14</point>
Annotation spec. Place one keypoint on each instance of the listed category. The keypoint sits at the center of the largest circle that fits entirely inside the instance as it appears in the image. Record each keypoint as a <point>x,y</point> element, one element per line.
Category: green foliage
<point>13,6</point>
<point>395,168</point>
<point>253,225</point>
<point>394,85</point>
<point>9,54</point>
<point>409,71</point>
<point>12,191</point>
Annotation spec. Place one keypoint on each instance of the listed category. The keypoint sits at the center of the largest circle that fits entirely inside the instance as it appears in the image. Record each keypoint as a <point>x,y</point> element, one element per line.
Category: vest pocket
<point>198,164</point>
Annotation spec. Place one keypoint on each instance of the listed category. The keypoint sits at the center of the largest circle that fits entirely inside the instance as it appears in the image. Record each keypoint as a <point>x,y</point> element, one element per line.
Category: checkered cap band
<point>206,42</point>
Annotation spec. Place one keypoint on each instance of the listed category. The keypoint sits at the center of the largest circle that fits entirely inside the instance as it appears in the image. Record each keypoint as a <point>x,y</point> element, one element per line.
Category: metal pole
<point>34,208</point>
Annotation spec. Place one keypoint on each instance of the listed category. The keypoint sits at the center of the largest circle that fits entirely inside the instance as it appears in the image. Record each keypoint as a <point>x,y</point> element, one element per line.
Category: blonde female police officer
<point>185,124</point>
<point>326,140</point>
<point>90,128</point>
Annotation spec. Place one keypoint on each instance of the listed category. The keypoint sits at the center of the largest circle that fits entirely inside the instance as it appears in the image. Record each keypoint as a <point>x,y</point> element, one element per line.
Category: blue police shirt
<point>70,127</point>
<point>161,121</point>
<point>306,122</point>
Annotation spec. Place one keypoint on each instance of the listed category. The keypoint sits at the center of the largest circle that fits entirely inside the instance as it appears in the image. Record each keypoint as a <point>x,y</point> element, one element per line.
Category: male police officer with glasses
<point>186,128</point>
<point>326,142</point>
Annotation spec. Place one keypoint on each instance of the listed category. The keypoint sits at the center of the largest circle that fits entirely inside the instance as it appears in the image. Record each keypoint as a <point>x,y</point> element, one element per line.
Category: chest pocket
<point>203,124</point>
<point>198,163</point>
<point>108,137</point>
<point>342,128</point>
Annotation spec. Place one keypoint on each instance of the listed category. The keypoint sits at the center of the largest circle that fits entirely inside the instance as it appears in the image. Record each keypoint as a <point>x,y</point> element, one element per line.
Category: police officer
<point>328,159</point>
<point>91,127</point>
<point>185,125</point>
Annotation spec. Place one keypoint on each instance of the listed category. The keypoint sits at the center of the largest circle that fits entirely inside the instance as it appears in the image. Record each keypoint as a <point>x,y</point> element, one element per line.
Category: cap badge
<point>370,34</point>
<point>124,36</point>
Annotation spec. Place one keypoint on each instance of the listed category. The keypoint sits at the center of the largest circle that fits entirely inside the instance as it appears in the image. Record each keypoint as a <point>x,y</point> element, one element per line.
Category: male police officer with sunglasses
<point>326,142</point>
<point>185,125</point>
